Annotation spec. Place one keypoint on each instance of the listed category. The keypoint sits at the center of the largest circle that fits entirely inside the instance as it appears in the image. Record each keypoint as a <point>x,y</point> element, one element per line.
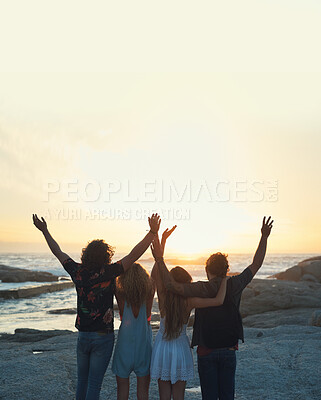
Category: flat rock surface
<point>281,363</point>
<point>271,319</point>
<point>263,295</point>
<point>11,274</point>
<point>32,291</point>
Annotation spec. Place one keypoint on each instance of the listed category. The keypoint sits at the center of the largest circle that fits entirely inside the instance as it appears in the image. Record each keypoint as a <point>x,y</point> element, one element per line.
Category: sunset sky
<point>133,99</point>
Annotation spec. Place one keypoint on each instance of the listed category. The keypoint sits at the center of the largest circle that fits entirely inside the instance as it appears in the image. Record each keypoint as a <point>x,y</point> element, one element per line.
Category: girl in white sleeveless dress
<point>172,360</point>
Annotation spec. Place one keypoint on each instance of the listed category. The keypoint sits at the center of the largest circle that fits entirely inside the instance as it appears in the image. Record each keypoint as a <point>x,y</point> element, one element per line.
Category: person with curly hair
<point>94,279</point>
<point>172,361</point>
<point>134,293</point>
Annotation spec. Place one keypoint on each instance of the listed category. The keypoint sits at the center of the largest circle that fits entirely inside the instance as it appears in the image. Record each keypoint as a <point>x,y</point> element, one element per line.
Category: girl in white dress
<point>172,360</point>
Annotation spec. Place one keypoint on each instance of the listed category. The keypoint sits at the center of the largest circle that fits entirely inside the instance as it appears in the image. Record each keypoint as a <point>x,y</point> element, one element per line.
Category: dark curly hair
<point>217,264</point>
<point>96,254</point>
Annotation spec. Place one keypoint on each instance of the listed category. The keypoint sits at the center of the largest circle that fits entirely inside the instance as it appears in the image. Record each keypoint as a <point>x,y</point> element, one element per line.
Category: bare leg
<point>143,387</point>
<point>165,390</point>
<point>178,390</point>
<point>122,388</point>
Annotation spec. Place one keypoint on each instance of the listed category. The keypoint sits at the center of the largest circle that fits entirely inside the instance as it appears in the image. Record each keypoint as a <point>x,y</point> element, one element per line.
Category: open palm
<point>40,224</point>
<point>266,227</point>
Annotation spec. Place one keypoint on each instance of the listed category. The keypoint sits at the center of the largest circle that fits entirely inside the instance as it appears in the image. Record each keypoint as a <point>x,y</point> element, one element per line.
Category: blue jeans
<point>217,374</point>
<point>93,354</point>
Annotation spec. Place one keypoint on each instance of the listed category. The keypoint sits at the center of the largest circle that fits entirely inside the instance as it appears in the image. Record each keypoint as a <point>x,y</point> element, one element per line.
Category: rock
<point>309,278</point>
<point>63,311</point>
<point>11,274</point>
<point>316,318</point>
<point>248,293</point>
<point>32,291</point>
<point>316,258</point>
<point>280,365</point>
<point>291,274</point>
<point>260,334</point>
<point>312,268</point>
<point>271,319</point>
<point>32,335</point>
<point>272,295</point>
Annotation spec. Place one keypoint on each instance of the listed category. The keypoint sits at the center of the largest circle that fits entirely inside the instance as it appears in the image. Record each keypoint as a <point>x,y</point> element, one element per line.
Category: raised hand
<point>154,223</point>
<point>41,225</point>
<point>166,234</point>
<point>157,249</point>
<point>266,227</point>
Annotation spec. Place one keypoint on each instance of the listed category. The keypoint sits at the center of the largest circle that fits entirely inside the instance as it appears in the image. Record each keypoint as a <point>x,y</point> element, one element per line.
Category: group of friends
<point>217,326</point>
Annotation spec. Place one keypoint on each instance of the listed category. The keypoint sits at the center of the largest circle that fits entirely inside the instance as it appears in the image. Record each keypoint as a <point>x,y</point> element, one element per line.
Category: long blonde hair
<point>175,306</point>
<point>135,285</point>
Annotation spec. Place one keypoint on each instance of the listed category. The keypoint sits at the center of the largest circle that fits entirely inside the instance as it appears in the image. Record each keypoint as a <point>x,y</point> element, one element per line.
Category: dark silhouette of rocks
<point>32,335</point>
<point>63,311</point>
<point>306,270</point>
<point>12,274</point>
<point>32,291</point>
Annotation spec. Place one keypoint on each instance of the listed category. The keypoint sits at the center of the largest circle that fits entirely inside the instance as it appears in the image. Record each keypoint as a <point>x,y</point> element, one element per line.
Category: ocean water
<point>33,312</point>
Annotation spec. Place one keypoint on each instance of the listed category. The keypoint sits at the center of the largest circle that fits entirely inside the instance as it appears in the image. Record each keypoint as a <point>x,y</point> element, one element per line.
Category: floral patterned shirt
<point>95,292</point>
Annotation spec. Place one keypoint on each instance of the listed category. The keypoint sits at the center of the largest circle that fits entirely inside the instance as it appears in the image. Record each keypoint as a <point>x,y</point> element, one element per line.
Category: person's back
<point>134,344</point>
<point>134,294</point>
<point>172,361</point>
<point>217,331</point>
<point>219,327</point>
<point>94,279</point>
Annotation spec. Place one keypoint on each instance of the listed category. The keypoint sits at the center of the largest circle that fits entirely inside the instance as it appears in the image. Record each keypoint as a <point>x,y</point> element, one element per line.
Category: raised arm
<point>155,274</point>
<point>53,245</point>
<point>197,302</point>
<point>163,272</point>
<point>261,250</point>
<point>141,247</point>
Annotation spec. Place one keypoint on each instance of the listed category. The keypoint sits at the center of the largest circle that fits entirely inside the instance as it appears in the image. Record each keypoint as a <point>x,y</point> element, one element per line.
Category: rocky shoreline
<point>12,274</point>
<point>31,291</point>
<point>274,363</point>
<point>279,360</point>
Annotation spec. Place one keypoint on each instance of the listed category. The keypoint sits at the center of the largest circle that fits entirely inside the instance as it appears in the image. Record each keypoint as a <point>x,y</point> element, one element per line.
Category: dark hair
<point>96,254</point>
<point>175,305</point>
<point>217,264</point>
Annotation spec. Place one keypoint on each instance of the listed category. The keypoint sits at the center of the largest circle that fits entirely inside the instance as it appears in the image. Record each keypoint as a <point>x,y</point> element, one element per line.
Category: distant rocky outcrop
<point>263,295</point>
<point>307,270</point>
<point>63,311</point>
<point>11,274</point>
<point>17,275</point>
<point>32,335</point>
<point>32,291</point>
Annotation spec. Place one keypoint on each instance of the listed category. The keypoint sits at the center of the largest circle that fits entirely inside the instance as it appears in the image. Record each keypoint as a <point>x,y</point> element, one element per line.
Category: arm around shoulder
<point>197,302</point>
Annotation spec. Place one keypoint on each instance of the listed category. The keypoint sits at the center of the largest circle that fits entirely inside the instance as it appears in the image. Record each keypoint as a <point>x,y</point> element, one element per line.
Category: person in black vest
<point>217,330</point>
